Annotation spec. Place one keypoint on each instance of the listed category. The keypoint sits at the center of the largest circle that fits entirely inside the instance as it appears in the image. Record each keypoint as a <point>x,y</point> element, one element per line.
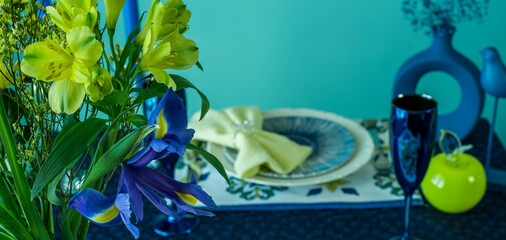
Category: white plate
<point>362,153</point>
<point>332,144</point>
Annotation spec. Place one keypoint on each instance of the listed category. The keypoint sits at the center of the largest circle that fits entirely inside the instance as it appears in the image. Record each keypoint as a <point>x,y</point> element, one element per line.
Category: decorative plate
<point>332,144</point>
<point>362,151</point>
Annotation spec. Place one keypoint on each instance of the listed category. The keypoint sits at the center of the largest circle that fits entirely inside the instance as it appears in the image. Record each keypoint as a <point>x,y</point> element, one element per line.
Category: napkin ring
<point>246,126</point>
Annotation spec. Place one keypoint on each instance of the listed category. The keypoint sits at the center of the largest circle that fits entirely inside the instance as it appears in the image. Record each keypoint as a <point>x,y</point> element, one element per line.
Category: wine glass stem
<point>407,206</point>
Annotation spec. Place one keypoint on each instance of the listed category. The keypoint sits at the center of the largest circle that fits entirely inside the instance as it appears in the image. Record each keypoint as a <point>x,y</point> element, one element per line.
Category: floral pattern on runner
<point>250,191</point>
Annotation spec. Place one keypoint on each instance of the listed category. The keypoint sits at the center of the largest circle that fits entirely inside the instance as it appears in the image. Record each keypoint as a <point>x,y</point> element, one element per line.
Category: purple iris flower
<point>137,179</point>
<point>171,136</point>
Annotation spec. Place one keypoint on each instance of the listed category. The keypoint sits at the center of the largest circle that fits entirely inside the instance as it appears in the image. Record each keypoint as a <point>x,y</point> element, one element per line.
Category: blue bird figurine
<point>493,74</point>
<point>493,81</point>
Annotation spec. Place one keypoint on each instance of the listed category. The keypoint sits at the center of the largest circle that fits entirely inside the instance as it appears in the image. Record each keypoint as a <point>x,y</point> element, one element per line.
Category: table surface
<point>485,221</point>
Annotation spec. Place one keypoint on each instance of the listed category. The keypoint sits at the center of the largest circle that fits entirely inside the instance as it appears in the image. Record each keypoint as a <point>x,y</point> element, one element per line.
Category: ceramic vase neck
<point>442,38</point>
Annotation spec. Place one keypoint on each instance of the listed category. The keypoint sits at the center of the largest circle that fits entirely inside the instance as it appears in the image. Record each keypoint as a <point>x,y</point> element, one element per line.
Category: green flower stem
<point>51,219</point>
<point>66,228</point>
<point>85,223</point>
<point>46,209</point>
<point>133,77</point>
<point>83,230</point>
<point>98,35</point>
<point>42,207</point>
<point>107,140</point>
<point>21,183</point>
<point>111,44</point>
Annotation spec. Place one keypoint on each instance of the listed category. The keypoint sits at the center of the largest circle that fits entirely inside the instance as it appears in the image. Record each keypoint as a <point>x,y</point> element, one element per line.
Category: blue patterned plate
<point>360,146</point>
<point>332,144</point>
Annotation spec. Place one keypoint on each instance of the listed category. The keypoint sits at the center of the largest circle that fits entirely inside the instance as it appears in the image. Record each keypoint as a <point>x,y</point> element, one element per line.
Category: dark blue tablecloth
<point>486,221</point>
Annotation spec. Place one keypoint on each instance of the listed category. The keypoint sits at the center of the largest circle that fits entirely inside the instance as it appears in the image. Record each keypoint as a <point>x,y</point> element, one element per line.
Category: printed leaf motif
<point>388,181</point>
<point>314,191</point>
<point>250,191</point>
<point>379,154</point>
<point>332,186</point>
<point>382,129</point>
<point>180,165</point>
<point>350,191</point>
<point>204,176</point>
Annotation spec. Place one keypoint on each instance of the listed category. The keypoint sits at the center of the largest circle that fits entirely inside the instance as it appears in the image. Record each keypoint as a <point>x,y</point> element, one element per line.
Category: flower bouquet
<point>429,14</point>
<point>70,122</point>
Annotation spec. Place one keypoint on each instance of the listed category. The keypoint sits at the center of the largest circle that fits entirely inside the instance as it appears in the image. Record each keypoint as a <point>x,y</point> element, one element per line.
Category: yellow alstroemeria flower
<point>73,13</point>
<point>164,17</point>
<point>4,81</point>
<point>112,11</point>
<point>154,20</point>
<point>173,52</point>
<point>99,84</point>
<point>50,62</point>
<point>180,18</point>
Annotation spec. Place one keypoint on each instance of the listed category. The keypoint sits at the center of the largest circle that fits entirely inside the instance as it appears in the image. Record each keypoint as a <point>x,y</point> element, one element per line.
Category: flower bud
<point>112,11</point>
<point>99,84</point>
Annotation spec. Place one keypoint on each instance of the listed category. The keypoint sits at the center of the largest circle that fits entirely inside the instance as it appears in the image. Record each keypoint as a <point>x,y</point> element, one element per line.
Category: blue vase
<point>441,56</point>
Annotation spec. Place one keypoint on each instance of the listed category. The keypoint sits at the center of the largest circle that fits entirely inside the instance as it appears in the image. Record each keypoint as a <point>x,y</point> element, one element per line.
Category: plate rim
<point>362,154</point>
<point>284,176</point>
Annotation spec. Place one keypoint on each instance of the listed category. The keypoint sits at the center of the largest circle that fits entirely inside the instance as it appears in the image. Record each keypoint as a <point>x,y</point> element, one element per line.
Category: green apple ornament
<point>455,181</point>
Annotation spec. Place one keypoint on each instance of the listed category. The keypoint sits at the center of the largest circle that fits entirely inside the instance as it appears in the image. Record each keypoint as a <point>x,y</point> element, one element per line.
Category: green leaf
<point>199,66</point>
<point>70,118</point>
<point>12,226</point>
<point>123,149</point>
<point>132,62</point>
<point>67,151</point>
<point>13,111</point>
<point>51,190</point>
<point>116,97</point>
<point>63,132</point>
<point>155,89</point>
<point>4,236</point>
<point>8,199</point>
<point>182,82</point>
<point>332,186</point>
<point>137,120</point>
<point>12,108</point>
<point>26,203</point>
<point>211,159</point>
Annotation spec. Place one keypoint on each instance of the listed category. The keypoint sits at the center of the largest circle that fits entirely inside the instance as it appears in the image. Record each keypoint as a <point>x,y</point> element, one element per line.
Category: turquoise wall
<point>339,56</point>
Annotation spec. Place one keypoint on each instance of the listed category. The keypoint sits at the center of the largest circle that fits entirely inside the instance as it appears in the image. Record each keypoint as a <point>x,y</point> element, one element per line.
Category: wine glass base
<point>168,226</point>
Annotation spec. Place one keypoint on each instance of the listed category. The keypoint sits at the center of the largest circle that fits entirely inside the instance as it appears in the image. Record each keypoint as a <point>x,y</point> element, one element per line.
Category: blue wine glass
<point>412,137</point>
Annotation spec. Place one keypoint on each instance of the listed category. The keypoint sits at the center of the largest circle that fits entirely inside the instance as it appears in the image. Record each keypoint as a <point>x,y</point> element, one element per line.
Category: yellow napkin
<point>241,128</point>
